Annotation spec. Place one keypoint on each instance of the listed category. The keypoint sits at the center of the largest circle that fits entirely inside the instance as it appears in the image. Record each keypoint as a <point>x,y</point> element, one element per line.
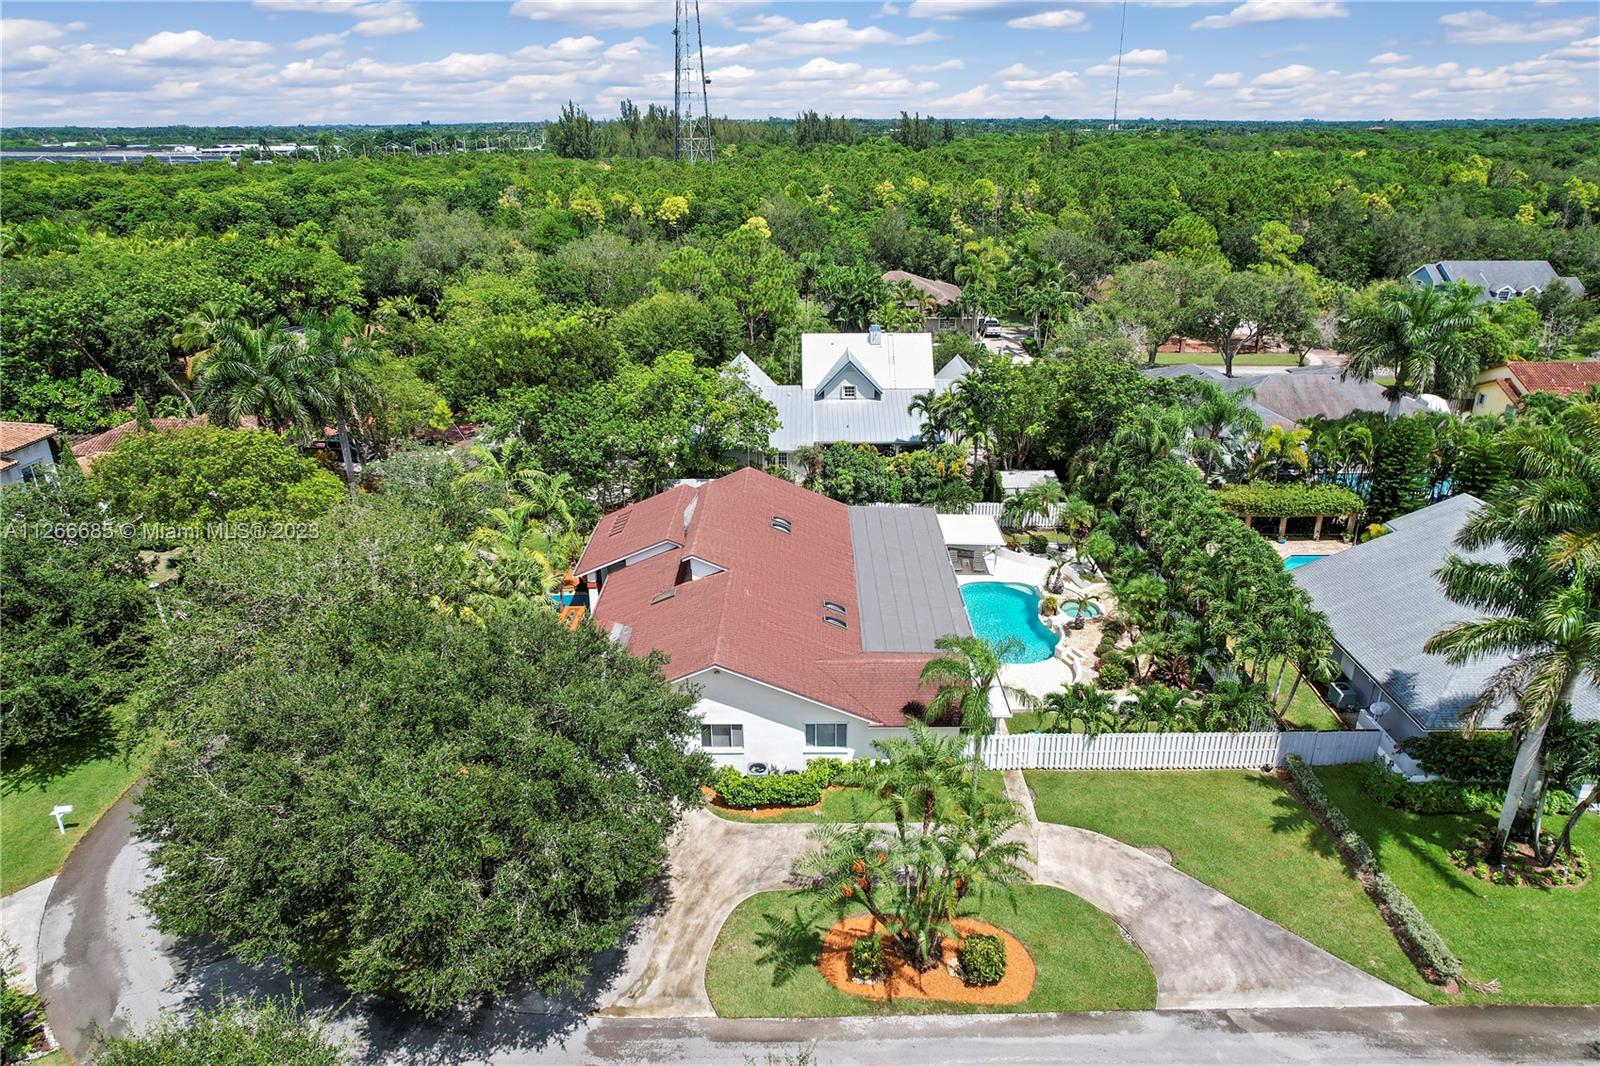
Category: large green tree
<point>1415,333</point>
<point>426,806</point>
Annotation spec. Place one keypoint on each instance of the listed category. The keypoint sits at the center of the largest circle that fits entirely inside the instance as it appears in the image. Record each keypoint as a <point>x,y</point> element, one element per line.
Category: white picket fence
<point>996,511</point>
<point>1175,751</point>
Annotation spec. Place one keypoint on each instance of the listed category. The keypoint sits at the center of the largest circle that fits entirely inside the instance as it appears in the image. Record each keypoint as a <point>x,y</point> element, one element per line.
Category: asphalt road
<point>102,966</point>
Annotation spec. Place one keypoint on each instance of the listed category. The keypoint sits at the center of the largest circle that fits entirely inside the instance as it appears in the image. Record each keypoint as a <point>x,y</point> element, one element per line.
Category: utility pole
<point>691,133</point>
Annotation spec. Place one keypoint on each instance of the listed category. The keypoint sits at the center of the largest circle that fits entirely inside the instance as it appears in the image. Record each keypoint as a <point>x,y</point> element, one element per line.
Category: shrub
<point>1481,757</point>
<point>1266,499</point>
<point>777,790</point>
<point>867,961</point>
<point>1049,605</point>
<point>21,1013</point>
<point>983,960</point>
<point>1107,645</point>
<point>1112,675</point>
<point>1414,926</point>
<point>1389,789</point>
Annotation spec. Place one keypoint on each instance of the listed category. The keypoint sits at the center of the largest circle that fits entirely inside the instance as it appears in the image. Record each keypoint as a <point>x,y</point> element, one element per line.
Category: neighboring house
<point>938,303</point>
<point>1502,387</point>
<point>87,450</point>
<point>1496,279</point>
<point>855,388</point>
<point>27,450</point>
<point>1384,601</point>
<point>803,623</point>
<point>1290,397</point>
<point>1015,481</point>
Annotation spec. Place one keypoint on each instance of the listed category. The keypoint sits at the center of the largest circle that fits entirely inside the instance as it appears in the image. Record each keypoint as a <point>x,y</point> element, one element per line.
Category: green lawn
<point>1307,711</point>
<point>839,805</point>
<point>1213,359</point>
<point>764,961</point>
<point>1543,946</point>
<point>90,776</point>
<point>1243,833</point>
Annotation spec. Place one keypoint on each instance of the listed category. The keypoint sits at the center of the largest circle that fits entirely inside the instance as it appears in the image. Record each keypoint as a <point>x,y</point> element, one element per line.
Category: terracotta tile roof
<point>14,436</point>
<point>761,615</point>
<point>88,450</point>
<point>1562,377</point>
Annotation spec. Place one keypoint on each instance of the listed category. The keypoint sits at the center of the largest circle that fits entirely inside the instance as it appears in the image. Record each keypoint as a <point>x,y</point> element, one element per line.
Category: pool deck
<point>1307,546</point>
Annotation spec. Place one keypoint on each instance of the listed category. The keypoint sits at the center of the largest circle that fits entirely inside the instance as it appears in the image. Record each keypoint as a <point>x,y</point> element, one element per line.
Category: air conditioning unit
<point>1342,696</point>
<point>759,769</point>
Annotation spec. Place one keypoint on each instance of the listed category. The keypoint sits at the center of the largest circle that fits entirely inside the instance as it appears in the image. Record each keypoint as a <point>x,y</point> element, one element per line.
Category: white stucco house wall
<point>27,450</point>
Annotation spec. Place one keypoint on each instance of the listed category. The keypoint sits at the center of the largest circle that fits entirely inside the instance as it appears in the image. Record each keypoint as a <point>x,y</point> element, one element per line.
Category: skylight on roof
<point>781,524</point>
<point>837,623</point>
<point>836,608</point>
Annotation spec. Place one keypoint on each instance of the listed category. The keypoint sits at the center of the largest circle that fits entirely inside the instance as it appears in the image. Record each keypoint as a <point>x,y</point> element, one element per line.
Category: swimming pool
<point>999,610</point>
<point>1070,610</point>
<point>1295,562</point>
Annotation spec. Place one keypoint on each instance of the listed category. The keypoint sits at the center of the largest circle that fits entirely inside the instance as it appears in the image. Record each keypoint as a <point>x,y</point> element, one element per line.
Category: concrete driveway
<point>1207,950</point>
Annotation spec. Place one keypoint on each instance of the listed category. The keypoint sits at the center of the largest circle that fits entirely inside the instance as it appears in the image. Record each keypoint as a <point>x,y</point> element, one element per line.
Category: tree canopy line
<point>585,312</point>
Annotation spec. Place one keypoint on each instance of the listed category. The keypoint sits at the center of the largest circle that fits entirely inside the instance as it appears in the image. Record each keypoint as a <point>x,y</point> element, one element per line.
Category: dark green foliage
<point>233,1033</point>
<point>429,807</point>
<point>867,961</point>
<point>1265,499</point>
<point>1482,466</point>
<point>572,136</point>
<point>1484,756</point>
<point>1400,468</point>
<point>21,1013</point>
<point>1113,675</point>
<point>203,474</point>
<point>983,960</point>
<point>1390,789</point>
<point>777,790</point>
<point>75,616</point>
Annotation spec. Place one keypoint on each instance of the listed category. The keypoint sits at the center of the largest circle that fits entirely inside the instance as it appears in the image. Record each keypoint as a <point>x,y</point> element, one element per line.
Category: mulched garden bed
<point>761,812</point>
<point>1521,868</point>
<point>941,983</point>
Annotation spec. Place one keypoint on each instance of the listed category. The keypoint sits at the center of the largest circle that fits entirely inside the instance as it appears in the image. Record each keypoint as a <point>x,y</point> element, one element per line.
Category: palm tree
<point>940,414</point>
<point>1222,417</point>
<point>1075,517</point>
<point>1152,432</point>
<point>200,332</point>
<point>1279,450</point>
<point>266,372</point>
<point>1080,608</point>
<point>550,495</point>
<point>342,351</point>
<point>917,772</point>
<point>510,557</point>
<point>1157,707</point>
<point>1035,500</point>
<point>965,675</point>
<point>1416,333</point>
<point>1080,705</point>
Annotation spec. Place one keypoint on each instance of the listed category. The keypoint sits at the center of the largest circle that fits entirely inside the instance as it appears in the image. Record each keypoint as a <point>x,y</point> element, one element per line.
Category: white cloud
<point>1060,81</point>
<point>321,40</point>
<point>973,98</point>
<point>946,10</point>
<point>1224,80</point>
<point>1135,63</point>
<point>1480,27</point>
<point>1587,49</point>
<point>373,18</point>
<point>1051,20</point>
<point>1175,95</point>
<point>936,68</point>
<point>824,68</point>
<point>1386,59</point>
<point>1293,74</point>
<point>589,13</point>
<point>889,8</point>
<point>1256,11</point>
<point>192,46</point>
<point>24,33</point>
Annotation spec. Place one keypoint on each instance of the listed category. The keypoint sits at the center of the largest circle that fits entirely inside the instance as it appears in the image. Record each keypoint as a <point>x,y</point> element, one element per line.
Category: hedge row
<point>1424,938</point>
<point>1270,499</point>
<point>1392,790</point>
<point>1484,756</point>
<point>777,790</point>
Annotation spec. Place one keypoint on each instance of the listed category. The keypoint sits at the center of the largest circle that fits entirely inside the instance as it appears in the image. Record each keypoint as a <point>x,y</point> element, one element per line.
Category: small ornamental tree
<point>425,806</point>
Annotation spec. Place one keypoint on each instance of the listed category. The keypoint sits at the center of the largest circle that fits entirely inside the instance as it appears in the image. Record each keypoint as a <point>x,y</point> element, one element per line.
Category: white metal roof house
<point>855,388</point>
<point>1496,279</point>
<point>1384,601</point>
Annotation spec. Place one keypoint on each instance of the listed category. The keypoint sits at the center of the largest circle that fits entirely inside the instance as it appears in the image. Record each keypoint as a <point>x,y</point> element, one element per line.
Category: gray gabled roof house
<point>855,388</point>
<point>1496,279</point>
<point>1290,397</point>
<point>1384,601</point>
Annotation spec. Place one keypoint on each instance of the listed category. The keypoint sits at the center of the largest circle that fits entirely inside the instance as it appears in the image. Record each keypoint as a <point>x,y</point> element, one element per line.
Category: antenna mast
<point>691,133</point>
<point>1122,36</point>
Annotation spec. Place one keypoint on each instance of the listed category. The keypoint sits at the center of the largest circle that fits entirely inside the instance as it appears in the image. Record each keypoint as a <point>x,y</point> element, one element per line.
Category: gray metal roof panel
<point>905,587</point>
<point>1384,601</point>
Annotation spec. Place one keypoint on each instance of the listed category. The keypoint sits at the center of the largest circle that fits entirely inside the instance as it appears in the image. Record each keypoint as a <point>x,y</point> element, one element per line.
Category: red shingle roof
<point>87,451</point>
<point>1563,377</point>
<point>14,436</point>
<point>762,615</point>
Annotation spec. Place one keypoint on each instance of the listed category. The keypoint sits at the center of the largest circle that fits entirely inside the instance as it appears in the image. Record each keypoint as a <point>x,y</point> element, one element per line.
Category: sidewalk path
<point>20,915</point>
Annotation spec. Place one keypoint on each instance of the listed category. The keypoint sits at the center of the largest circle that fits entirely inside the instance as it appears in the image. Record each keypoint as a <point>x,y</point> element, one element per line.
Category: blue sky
<point>329,61</point>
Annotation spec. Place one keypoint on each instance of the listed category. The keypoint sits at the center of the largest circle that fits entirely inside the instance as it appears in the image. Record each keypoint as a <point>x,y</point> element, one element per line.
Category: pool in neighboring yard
<point>1295,562</point>
<point>999,610</point>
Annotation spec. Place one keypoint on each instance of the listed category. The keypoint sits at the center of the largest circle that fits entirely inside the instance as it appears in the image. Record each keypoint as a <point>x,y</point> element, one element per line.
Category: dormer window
<point>781,524</point>
<point>848,392</point>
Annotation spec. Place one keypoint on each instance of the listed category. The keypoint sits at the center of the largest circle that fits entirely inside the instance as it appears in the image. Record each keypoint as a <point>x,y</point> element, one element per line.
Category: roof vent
<point>666,594</point>
<point>837,623</point>
<point>619,523</point>
<point>836,608</point>
<point>874,334</point>
<point>781,524</point>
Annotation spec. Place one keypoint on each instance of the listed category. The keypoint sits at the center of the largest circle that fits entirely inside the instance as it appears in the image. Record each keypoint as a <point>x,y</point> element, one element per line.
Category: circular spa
<point>1000,610</point>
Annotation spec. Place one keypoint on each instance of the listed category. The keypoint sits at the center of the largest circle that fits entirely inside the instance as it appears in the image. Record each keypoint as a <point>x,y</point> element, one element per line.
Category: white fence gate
<point>1175,751</point>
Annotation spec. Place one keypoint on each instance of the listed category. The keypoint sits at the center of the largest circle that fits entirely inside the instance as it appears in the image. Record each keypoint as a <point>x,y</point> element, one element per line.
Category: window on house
<point>781,524</point>
<point>722,736</point>
<point>848,392</point>
<point>826,735</point>
<point>1482,397</point>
